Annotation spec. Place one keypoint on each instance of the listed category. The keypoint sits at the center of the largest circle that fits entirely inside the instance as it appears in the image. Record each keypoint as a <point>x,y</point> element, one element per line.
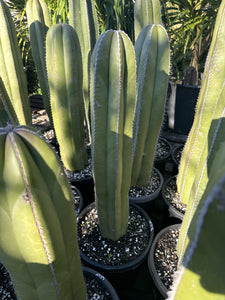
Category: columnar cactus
<point>146,12</point>
<point>7,112</point>
<point>152,55</point>
<point>112,95</point>
<point>11,67</point>
<point>201,273</point>
<point>64,67</point>
<point>39,22</point>
<point>38,235</point>
<point>83,18</point>
<point>207,132</point>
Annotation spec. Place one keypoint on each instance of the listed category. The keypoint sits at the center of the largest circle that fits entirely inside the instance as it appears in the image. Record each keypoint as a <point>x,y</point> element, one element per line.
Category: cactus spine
<point>83,18</point>
<point>152,55</point>
<point>207,132</point>
<point>146,12</point>
<point>201,274</point>
<point>38,238</point>
<point>7,113</point>
<point>39,22</point>
<point>112,94</point>
<point>11,67</point>
<point>64,66</point>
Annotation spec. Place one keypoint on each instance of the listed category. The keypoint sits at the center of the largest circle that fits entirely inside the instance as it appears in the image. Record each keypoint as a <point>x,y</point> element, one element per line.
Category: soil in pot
<point>162,260</point>
<point>123,263</point>
<point>98,287</point>
<point>171,197</point>
<point>162,154</point>
<point>141,195</point>
<point>114,256</point>
<point>176,156</point>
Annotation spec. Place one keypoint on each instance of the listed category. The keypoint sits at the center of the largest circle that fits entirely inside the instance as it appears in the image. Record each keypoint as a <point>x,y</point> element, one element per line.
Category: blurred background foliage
<point>189,24</point>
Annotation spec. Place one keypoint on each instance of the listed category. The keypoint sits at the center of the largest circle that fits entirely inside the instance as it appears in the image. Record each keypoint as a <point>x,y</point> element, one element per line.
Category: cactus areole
<point>38,238</point>
<point>112,112</point>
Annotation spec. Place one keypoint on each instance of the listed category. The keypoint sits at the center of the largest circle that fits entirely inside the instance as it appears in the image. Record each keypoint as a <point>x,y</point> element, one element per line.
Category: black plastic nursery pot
<point>111,267</point>
<point>162,154</point>
<point>176,155</point>
<point>130,279</point>
<point>98,287</point>
<point>146,199</point>
<point>77,200</point>
<point>86,187</point>
<point>162,289</point>
<point>186,100</point>
<point>175,207</point>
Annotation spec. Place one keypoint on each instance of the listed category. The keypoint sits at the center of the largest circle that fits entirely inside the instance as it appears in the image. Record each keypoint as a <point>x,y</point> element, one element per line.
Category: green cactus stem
<point>207,133</point>
<point>83,18</point>
<point>209,107</point>
<point>64,67</point>
<point>7,113</point>
<point>152,56</point>
<point>112,95</point>
<point>146,12</point>
<point>201,272</point>
<point>11,67</point>
<point>38,235</point>
<point>39,22</point>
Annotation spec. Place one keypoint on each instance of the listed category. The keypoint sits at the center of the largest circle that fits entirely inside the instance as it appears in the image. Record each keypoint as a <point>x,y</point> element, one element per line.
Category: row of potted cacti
<point>130,87</point>
<point>62,87</point>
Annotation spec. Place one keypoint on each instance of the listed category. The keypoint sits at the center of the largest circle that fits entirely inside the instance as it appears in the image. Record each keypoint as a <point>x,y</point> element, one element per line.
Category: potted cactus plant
<point>200,183</point>
<point>106,228</point>
<point>152,56</point>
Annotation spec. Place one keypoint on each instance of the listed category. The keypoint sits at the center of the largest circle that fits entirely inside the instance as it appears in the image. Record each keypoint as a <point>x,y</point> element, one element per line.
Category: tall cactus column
<point>207,133</point>
<point>112,111</point>
<point>83,18</point>
<point>39,23</point>
<point>38,235</point>
<point>11,67</point>
<point>152,56</point>
<point>201,274</point>
<point>146,12</point>
<point>65,76</point>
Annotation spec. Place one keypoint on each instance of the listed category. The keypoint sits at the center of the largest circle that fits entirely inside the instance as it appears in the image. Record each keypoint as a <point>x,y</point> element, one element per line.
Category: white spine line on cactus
<point>11,51</point>
<point>200,119</point>
<point>95,103</point>
<point>202,174</point>
<point>139,100</point>
<point>217,191</point>
<point>147,14</point>
<point>88,24</point>
<point>35,214</point>
<point>118,120</point>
